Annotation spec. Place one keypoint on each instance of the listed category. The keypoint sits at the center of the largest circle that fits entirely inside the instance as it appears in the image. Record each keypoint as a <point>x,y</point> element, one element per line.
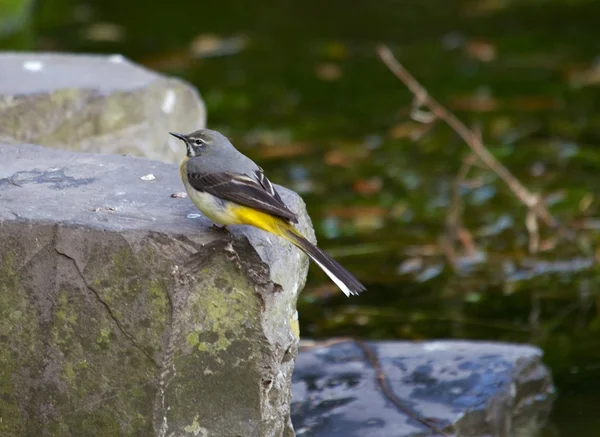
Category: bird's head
<point>200,141</point>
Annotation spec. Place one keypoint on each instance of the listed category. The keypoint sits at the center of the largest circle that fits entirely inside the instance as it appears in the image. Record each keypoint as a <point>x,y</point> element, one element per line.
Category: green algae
<point>134,286</point>
<point>15,329</point>
<point>65,320</point>
<point>195,429</point>
<point>224,315</point>
<point>104,384</point>
<point>221,355</point>
<point>104,337</point>
<point>192,339</point>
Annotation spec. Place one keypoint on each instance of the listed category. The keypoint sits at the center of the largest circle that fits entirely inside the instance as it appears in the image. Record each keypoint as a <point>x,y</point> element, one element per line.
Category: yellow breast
<point>215,209</point>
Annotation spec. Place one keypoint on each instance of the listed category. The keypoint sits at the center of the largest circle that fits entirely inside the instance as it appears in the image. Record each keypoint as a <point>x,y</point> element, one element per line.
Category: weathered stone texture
<point>123,313</point>
<point>384,389</point>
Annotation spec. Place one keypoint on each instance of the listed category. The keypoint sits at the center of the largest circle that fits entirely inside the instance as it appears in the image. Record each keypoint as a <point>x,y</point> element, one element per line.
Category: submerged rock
<point>401,389</point>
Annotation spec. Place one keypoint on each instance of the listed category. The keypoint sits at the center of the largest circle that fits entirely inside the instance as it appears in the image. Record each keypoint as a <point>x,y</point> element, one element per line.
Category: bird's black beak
<point>179,136</point>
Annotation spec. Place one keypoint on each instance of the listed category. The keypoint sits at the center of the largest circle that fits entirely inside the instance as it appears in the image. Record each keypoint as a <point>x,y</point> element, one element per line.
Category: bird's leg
<point>222,228</point>
<point>232,255</point>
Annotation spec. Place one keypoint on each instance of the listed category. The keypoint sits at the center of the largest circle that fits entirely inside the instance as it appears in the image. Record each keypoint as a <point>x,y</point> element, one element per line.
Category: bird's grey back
<point>222,156</point>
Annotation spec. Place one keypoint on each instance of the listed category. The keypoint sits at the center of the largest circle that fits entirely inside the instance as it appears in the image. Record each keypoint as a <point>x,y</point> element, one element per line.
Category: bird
<point>231,189</point>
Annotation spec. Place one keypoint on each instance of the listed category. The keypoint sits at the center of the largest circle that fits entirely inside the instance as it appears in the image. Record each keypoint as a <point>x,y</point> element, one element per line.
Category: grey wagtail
<point>230,189</point>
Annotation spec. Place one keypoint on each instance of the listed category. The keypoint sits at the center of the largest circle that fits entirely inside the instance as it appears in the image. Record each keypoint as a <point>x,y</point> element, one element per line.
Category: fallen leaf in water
<point>208,45</point>
<point>423,250</point>
<point>549,244</point>
<point>474,103</point>
<point>534,103</point>
<point>579,75</point>
<point>481,50</point>
<point>168,61</point>
<point>105,32</point>
<point>367,186</point>
<point>345,157</point>
<point>328,71</point>
<point>410,130</point>
<point>368,222</point>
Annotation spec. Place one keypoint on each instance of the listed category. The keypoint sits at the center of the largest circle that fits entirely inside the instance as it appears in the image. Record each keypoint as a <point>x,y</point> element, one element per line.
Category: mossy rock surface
<point>93,103</point>
<point>122,313</point>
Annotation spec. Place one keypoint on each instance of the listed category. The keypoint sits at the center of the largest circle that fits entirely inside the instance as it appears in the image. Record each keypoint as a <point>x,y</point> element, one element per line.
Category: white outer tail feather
<point>342,278</point>
<point>334,278</point>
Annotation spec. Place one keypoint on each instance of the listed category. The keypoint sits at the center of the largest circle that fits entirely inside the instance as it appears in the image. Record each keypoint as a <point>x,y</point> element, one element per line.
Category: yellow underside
<point>262,220</point>
<point>234,214</point>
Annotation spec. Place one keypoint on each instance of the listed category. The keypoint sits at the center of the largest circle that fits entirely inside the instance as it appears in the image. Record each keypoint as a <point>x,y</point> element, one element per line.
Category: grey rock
<point>122,312</point>
<point>103,104</point>
<point>398,389</point>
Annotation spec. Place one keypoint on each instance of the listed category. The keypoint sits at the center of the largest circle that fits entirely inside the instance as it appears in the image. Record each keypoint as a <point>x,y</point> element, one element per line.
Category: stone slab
<point>464,389</point>
<point>122,312</point>
<point>94,103</point>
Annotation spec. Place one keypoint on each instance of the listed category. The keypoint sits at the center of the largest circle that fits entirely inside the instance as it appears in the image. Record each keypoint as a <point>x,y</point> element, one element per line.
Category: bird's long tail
<point>338,274</point>
<point>279,226</point>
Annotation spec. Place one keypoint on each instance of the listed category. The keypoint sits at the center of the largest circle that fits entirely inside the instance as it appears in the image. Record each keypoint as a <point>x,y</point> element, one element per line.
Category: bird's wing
<point>257,193</point>
<point>266,184</point>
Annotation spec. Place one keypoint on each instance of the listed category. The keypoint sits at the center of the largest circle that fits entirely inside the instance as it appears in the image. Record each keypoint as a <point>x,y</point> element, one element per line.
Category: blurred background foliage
<point>299,88</point>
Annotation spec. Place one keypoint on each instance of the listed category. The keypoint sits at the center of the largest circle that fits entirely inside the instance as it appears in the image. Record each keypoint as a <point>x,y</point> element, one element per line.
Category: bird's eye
<point>198,142</point>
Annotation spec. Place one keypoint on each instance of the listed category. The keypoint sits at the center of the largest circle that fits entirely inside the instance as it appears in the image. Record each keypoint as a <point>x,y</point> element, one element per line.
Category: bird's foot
<point>231,253</point>
<point>222,228</point>
<point>224,231</point>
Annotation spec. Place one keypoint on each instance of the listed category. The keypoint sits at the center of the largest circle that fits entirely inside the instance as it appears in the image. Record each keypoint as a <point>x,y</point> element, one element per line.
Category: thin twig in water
<point>532,201</point>
<point>381,378</point>
<point>389,393</point>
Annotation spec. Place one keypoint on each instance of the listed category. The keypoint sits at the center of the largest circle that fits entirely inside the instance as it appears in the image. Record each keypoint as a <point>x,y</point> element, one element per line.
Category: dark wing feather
<point>266,184</point>
<point>243,190</point>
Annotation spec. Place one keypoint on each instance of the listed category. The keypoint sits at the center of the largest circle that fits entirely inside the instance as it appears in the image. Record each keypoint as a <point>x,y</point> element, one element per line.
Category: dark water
<point>299,88</point>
